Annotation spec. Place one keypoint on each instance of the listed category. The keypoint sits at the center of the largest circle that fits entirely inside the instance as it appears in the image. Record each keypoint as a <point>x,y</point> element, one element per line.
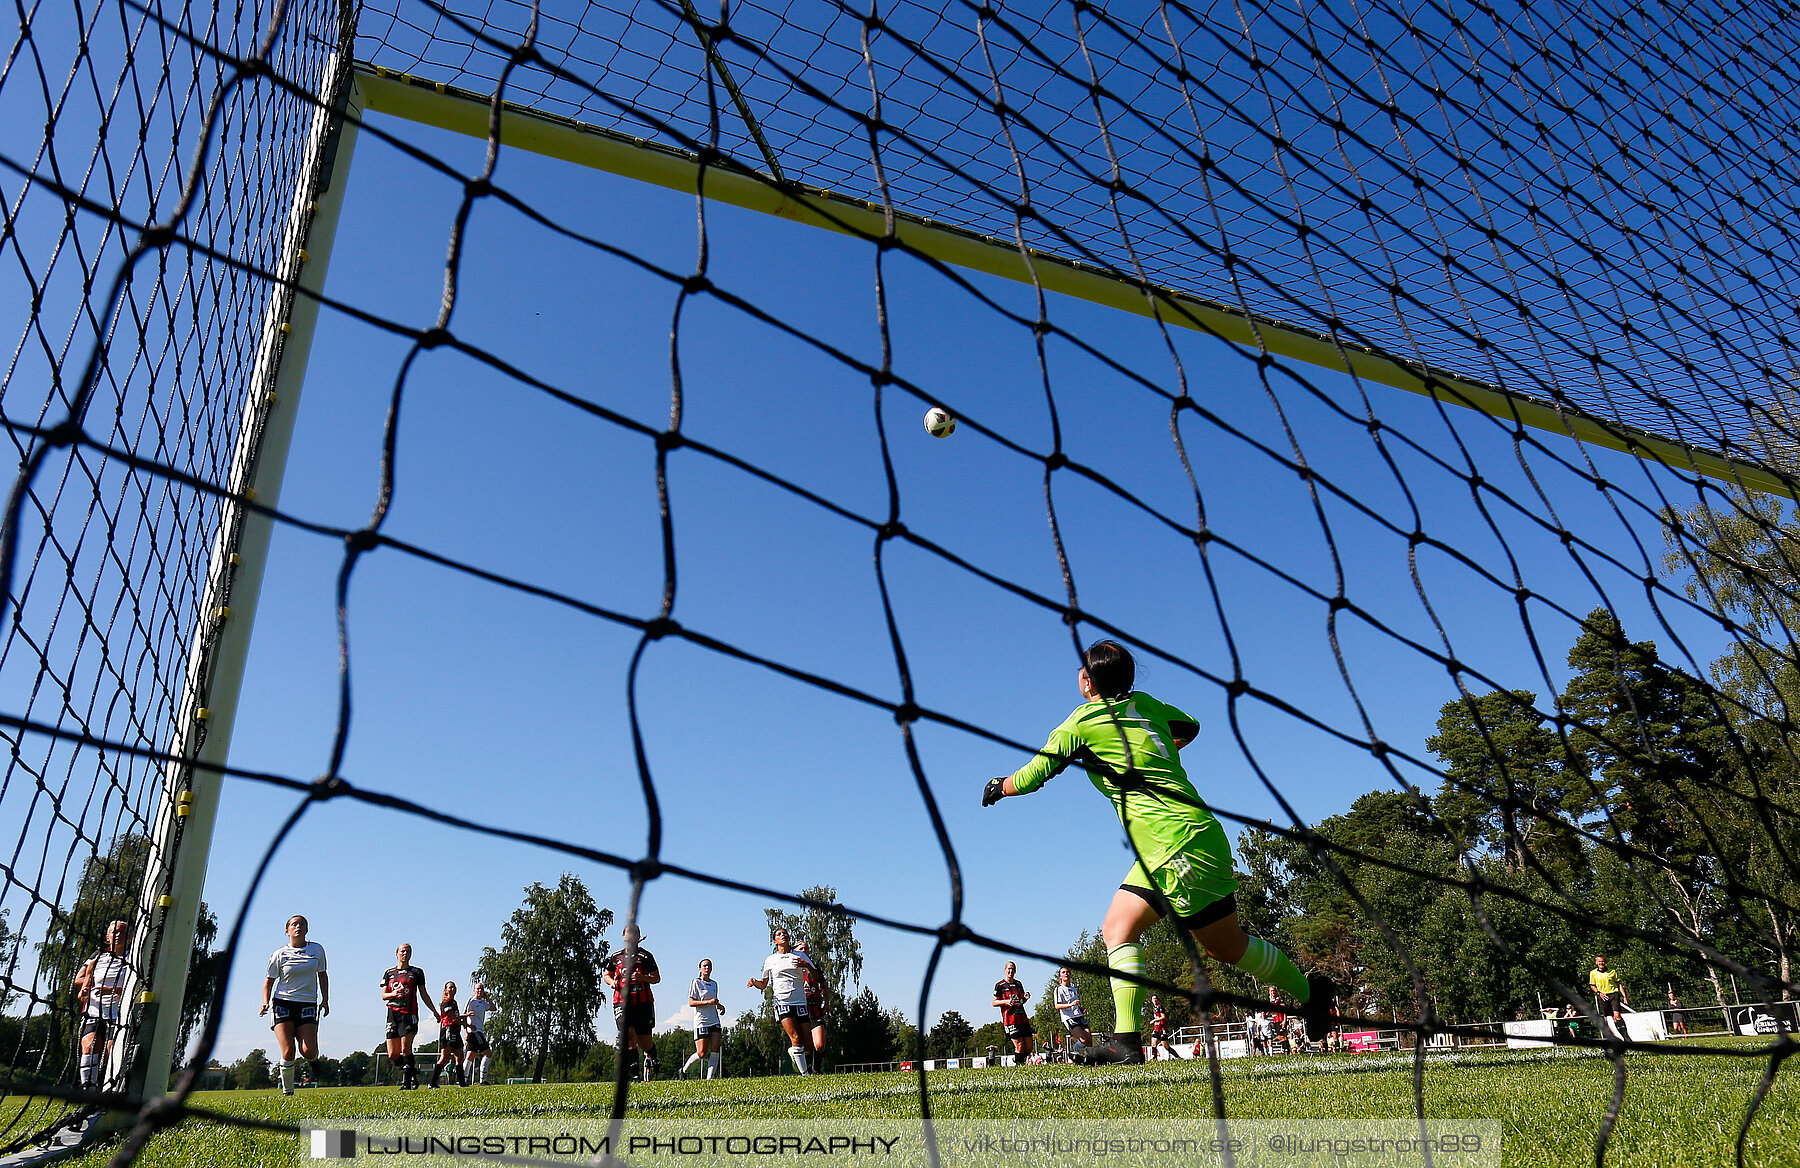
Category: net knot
<point>253,67</point>
<point>328,787</point>
<point>952,932</point>
<point>157,235</point>
<point>476,188</point>
<point>669,440</point>
<point>906,712</point>
<point>433,337</point>
<point>1056,461</point>
<point>65,433</point>
<point>892,529</point>
<point>880,377</point>
<point>661,627</point>
<point>1237,687</point>
<point>362,540</point>
<point>696,284</point>
<point>646,870</point>
<point>163,1111</point>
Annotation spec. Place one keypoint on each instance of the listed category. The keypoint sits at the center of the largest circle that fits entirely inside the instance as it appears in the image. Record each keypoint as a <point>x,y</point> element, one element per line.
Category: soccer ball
<point>939,422</point>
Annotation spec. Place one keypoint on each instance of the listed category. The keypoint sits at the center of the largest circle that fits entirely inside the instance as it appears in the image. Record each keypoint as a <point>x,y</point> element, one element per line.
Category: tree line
<point>1640,813</point>
<point>1638,810</point>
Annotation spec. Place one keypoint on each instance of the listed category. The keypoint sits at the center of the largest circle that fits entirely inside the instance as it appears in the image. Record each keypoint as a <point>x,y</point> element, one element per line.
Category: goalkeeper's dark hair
<point>1111,668</point>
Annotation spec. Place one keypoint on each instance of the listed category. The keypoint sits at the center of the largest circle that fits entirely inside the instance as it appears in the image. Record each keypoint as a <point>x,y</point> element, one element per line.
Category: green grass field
<point>1679,1109</point>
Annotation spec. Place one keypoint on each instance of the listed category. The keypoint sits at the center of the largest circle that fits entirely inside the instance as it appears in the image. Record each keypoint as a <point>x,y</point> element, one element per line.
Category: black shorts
<point>816,1012</point>
<point>702,1031</point>
<point>1020,1031</point>
<point>297,1013</point>
<point>797,1012</point>
<point>402,1025</point>
<point>637,1017</point>
<point>1211,914</point>
<point>1077,1022</point>
<point>1610,1002</point>
<point>449,1041</point>
<point>478,1042</point>
<point>100,1028</point>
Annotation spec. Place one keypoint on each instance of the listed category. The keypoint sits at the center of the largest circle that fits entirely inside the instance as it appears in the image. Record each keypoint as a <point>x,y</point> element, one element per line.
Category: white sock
<point>689,1065</point>
<point>287,1076</point>
<point>798,1054</point>
<point>90,1069</point>
<point>712,1065</point>
<point>484,1063</point>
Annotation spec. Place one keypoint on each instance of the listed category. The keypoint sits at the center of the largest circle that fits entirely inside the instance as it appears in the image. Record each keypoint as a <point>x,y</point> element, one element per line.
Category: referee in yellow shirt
<point>1609,991</point>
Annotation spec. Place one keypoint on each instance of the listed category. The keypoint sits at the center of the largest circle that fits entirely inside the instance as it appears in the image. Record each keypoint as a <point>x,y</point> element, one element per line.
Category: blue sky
<point>512,711</point>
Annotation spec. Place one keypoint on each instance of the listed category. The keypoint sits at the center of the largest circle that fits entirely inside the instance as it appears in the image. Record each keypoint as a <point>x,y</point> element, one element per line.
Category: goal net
<point>1411,390</point>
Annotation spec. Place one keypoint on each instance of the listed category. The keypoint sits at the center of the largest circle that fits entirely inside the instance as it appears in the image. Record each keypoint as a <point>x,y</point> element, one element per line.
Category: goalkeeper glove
<point>994,792</point>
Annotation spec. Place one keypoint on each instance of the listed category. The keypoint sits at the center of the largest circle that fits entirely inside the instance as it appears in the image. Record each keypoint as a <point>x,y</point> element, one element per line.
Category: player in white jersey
<point>709,1032</point>
<point>297,992</point>
<point>1068,1004</point>
<point>475,1066</point>
<point>785,970</point>
<point>100,991</point>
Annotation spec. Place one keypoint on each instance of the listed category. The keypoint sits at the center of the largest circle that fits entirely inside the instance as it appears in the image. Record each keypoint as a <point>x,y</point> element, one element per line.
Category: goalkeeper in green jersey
<point>1128,743</point>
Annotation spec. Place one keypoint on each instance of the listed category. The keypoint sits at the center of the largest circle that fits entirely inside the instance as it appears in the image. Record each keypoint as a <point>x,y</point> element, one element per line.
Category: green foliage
<point>830,938</point>
<point>546,976</point>
<point>355,1069</point>
<point>672,1049</point>
<point>596,1065</point>
<point>909,1044</point>
<point>1094,990</point>
<point>756,1045</point>
<point>206,972</point>
<point>991,1034</point>
<point>949,1038</point>
<point>863,1033</point>
<point>9,958</point>
<point>1626,803</point>
<point>107,891</point>
<point>252,1072</point>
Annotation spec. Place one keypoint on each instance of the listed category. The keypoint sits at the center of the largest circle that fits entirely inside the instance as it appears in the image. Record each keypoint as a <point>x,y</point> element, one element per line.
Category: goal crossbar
<point>463,111</point>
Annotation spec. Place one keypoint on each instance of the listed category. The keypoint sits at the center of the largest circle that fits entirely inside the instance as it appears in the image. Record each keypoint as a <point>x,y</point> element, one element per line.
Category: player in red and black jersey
<point>817,999</point>
<point>1159,1030</point>
<point>450,1037</point>
<point>403,989</point>
<point>1010,996</point>
<point>634,1005</point>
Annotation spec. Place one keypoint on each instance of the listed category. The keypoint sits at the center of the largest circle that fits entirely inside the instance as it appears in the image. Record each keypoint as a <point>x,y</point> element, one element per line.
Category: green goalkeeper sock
<point>1128,996</point>
<point>1265,962</point>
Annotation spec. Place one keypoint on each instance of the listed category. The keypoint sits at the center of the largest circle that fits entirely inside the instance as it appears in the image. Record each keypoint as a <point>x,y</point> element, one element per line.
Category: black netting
<point>1579,204</point>
<point>123,395</point>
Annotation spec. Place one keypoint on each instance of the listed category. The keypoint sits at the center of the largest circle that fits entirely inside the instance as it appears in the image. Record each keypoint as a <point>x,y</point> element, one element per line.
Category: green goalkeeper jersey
<point>1141,775</point>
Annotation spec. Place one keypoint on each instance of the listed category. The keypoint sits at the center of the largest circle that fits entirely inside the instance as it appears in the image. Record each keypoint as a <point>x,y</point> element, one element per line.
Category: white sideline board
<point>1531,1032</point>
